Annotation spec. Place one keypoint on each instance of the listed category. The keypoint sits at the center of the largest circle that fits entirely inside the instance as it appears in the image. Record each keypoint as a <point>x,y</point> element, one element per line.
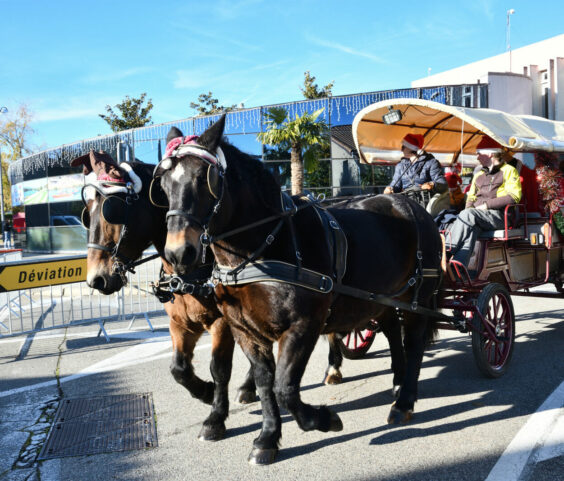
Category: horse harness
<point>196,284</point>
<point>115,210</point>
<point>252,270</point>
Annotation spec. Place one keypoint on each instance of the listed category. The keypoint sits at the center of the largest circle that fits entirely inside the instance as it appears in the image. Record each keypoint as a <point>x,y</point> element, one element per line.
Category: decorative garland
<point>551,187</point>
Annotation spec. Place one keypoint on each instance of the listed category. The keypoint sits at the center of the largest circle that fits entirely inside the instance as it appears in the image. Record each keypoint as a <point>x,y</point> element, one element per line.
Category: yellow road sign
<point>28,274</point>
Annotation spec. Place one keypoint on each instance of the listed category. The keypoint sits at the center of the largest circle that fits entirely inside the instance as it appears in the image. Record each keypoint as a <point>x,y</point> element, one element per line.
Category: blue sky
<point>67,60</point>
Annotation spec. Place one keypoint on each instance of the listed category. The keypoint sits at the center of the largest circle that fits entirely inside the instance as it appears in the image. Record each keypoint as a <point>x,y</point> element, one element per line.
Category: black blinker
<point>114,210</point>
<point>85,218</point>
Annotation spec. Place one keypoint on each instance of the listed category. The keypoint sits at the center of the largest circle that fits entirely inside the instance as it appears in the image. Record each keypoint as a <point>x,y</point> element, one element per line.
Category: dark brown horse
<point>122,224</point>
<point>136,225</point>
<point>221,197</point>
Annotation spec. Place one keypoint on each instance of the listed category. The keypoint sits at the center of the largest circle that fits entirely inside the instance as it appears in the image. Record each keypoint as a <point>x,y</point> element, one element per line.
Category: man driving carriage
<point>417,168</point>
<point>492,189</point>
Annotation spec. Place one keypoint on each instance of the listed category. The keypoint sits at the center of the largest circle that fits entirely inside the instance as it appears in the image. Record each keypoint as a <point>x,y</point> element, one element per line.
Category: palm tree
<point>305,136</point>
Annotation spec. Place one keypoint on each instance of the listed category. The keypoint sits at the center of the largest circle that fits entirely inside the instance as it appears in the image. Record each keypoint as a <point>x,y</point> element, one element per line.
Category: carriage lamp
<point>393,116</point>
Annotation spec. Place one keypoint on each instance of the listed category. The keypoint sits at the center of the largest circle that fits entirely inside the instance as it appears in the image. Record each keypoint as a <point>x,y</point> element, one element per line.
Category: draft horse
<point>276,279</point>
<point>122,223</point>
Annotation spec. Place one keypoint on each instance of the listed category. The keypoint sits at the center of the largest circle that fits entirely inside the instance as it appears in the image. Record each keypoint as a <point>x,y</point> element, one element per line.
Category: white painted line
<point>141,353</point>
<point>114,333</point>
<point>527,445</point>
<point>554,444</point>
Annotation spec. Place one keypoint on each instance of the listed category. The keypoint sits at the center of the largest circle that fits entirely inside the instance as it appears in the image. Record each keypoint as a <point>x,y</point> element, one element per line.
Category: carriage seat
<point>500,234</point>
<point>515,225</point>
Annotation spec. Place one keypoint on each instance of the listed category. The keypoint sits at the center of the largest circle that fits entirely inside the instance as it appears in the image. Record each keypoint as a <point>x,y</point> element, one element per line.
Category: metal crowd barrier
<point>67,301</point>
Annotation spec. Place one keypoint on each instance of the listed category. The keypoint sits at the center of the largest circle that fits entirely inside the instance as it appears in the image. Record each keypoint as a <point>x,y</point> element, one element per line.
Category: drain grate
<point>101,424</point>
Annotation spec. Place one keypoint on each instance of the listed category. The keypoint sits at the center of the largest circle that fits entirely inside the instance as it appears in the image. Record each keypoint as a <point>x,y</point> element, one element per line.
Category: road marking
<point>541,438</point>
<point>145,352</point>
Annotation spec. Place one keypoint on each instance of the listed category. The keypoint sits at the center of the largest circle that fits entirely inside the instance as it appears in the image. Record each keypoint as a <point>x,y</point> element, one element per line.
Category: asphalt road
<point>465,427</point>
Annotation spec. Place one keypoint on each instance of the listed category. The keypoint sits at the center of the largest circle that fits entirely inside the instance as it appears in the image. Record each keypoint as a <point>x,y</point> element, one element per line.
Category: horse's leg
<point>391,328</point>
<point>265,446</point>
<point>185,335</point>
<point>414,342</point>
<point>333,374</point>
<point>247,392</point>
<point>223,344</point>
<point>294,350</point>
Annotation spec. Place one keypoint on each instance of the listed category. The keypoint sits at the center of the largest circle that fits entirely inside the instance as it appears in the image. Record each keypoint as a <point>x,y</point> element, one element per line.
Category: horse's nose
<point>98,283</point>
<point>182,258</point>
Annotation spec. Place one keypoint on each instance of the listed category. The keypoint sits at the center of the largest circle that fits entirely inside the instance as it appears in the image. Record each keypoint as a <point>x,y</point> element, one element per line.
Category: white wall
<point>507,92</point>
<point>510,93</point>
<point>535,54</point>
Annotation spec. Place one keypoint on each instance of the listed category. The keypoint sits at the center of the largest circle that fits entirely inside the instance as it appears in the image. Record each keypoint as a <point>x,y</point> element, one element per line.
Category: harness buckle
<point>334,225</point>
<point>270,239</point>
<point>323,284</point>
<point>419,255</point>
<point>205,239</point>
<point>414,306</point>
<point>411,282</point>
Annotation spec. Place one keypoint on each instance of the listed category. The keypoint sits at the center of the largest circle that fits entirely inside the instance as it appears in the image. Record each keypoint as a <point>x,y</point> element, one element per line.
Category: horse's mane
<point>247,169</point>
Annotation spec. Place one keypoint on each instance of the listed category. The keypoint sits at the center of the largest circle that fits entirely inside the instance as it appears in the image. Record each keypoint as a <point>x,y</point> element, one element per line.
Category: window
<point>467,97</point>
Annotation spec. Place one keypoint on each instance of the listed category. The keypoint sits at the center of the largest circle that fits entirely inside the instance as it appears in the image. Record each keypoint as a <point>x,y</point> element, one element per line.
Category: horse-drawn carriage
<point>287,269</point>
<point>526,254</point>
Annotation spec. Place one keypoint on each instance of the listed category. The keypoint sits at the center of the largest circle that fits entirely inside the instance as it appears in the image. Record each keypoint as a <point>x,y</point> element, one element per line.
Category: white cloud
<point>55,109</point>
<point>114,75</point>
<point>230,9</point>
<point>345,49</point>
<point>190,79</point>
<point>54,114</point>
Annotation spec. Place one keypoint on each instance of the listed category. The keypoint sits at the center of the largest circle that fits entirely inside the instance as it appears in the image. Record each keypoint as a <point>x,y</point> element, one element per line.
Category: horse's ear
<point>211,138</point>
<point>173,133</point>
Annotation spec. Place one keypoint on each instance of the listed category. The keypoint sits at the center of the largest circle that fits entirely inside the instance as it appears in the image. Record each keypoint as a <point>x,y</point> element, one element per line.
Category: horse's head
<point>192,176</point>
<point>122,223</point>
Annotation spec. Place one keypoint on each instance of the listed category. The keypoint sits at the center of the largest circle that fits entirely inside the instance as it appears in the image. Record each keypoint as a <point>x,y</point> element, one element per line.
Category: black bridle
<point>122,263</point>
<point>205,238</point>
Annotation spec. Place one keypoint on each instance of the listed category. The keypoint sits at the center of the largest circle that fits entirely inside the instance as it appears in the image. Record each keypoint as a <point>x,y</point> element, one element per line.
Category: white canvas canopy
<point>450,130</point>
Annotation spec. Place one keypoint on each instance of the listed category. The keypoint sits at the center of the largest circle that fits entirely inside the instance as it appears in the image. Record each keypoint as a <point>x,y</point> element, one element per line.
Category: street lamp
<point>510,12</point>
<point>3,110</point>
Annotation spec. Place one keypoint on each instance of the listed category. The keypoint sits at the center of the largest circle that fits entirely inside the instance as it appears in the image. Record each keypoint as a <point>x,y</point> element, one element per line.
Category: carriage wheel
<point>357,342</point>
<point>493,355</point>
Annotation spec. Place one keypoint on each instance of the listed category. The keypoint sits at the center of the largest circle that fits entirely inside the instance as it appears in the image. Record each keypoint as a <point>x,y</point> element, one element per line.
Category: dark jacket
<point>425,169</point>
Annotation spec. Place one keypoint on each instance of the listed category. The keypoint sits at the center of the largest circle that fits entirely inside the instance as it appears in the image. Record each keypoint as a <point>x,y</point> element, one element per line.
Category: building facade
<point>528,80</point>
<point>47,191</point>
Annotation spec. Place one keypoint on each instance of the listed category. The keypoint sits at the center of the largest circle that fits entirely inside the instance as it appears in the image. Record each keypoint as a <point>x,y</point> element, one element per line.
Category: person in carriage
<point>491,190</point>
<point>417,168</point>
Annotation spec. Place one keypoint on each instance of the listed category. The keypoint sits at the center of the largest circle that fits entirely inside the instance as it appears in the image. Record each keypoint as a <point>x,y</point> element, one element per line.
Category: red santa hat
<point>413,142</point>
<point>487,146</point>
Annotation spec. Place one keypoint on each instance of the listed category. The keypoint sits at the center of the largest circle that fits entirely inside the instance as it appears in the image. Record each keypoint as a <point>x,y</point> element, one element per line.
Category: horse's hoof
<point>333,379</point>
<point>335,423</point>
<point>396,391</point>
<point>397,416</point>
<point>246,397</point>
<point>212,433</point>
<point>262,457</point>
<point>333,376</point>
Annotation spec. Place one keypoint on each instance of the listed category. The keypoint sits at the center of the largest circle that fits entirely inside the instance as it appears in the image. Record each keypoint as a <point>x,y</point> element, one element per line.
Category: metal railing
<point>39,309</point>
